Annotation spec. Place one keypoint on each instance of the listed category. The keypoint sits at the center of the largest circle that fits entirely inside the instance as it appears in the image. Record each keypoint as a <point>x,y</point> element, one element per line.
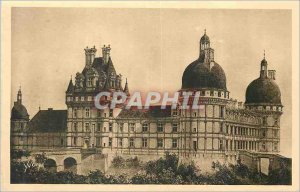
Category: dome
<point>263,91</point>
<point>200,75</point>
<point>204,39</point>
<point>19,111</point>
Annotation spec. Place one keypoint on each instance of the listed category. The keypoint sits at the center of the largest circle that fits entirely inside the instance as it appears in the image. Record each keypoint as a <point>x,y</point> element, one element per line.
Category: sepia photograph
<point>162,95</point>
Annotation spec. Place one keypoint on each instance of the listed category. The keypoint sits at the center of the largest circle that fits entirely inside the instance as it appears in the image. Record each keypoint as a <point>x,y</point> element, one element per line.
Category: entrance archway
<point>50,165</point>
<point>70,165</point>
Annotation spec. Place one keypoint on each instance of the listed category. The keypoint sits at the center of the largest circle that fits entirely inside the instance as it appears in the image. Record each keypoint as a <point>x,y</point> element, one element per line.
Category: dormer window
<point>89,82</point>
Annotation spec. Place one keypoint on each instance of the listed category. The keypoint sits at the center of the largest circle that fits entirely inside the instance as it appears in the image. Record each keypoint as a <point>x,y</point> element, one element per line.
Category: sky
<point>151,47</point>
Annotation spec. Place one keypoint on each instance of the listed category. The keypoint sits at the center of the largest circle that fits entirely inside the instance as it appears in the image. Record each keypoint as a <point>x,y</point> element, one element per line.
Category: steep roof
<point>49,121</point>
<point>152,112</point>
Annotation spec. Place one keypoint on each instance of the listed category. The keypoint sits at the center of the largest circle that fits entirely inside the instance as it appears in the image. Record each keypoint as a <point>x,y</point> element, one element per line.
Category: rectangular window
<point>89,82</point>
<point>111,113</point>
<point>211,93</point>
<point>75,112</point>
<point>174,127</point>
<point>121,125</point>
<point>120,142</point>
<point>82,98</point>
<point>75,141</point>
<point>98,141</point>
<point>220,144</point>
<point>174,143</point>
<point>159,142</point>
<point>160,127</point>
<point>275,133</point>
<point>87,112</point>
<point>75,127</point>
<point>99,113</point>
<point>87,127</point>
<point>195,130</point>
<point>110,142</point>
<point>221,111</point>
<point>275,146</point>
<point>174,113</point>
<point>145,127</point>
<point>144,142</point>
<point>131,142</point>
<point>219,94</point>
<point>132,127</point>
<point>98,127</point>
<point>202,93</point>
<point>110,127</point>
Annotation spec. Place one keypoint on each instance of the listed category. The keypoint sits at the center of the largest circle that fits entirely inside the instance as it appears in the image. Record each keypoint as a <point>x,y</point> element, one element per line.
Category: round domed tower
<point>19,115</point>
<point>263,96</point>
<point>204,82</point>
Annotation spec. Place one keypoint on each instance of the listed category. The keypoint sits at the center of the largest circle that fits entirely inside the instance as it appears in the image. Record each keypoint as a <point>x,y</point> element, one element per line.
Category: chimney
<point>89,56</point>
<point>106,53</point>
<point>271,74</point>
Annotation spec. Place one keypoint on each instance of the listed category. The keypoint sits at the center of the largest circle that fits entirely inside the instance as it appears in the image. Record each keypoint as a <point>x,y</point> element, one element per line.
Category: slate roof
<point>49,121</point>
<point>152,112</point>
<point>19,111</point>
<point>198,75</point>
<point>263,91</point>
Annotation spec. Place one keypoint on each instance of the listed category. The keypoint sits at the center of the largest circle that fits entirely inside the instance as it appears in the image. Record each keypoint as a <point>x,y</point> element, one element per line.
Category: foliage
<point>120,162</point>
<point>18,154</point>
<point>167,170</point>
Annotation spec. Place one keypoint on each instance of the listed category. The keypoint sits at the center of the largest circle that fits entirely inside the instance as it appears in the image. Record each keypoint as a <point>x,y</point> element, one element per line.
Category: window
<point>82,98</point>
<point>202,93</point>
<point>121,127</point>
<point>98,141</point>
<point>174,127</point>
<point>111,113</point>
<point>76,98</point>
<point>99,113</point>
<point>120,142</point>
<point>160,127</point>
<point>75,112</point>
<point>174,143</point>
<point>98,127</point>
<point>61,141</point>
<point>132,127</point>
<point>195,129</point>
<point>89,98</point>
<point>195,114</point>
<point>264,133</point>
<point>159,142</point>
<point>110,142</point>
<point>219,94</point>
<point>275,133</point>
<point>220,144</point>
<point>87,112</point>
<point>89,82</point>
<point>75,127</point>
<point>87,127</point>
<point>263,145</point>
<point>75,141</point>
<point>145,127</point>
<point>144,142</point>
<point>221,111</point>
<point>275,146</point>
<point>174,113</point>
<point>211,93</point>
<point>131,142</point>
<point>110,127</point>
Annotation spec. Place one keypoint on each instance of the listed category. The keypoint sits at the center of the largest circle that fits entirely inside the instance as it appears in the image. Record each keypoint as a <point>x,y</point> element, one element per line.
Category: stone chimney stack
<point>89,56</point>
<point>271,74</point>
<point>106,53</point>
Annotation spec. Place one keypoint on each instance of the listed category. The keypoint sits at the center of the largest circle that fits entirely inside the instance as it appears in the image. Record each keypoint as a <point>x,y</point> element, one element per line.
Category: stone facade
<point>219,131</point>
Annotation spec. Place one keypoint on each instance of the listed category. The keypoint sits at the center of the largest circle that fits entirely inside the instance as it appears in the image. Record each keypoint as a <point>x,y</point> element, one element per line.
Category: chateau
<point>222,130</point>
